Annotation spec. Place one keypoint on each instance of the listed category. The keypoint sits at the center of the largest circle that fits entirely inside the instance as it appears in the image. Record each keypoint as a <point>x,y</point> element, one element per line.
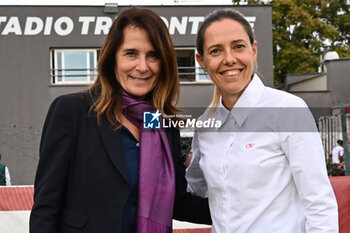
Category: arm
<point>307,163</point>
<point>341,154</point>
<point>194,174</point>
<point>187,207</point>
<point>53,167</point>
<point>7,177</point>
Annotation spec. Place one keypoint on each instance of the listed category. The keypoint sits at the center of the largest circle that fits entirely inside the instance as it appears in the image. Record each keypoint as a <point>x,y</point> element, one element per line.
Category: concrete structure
<point>323,91</point>
<point>47,51</point>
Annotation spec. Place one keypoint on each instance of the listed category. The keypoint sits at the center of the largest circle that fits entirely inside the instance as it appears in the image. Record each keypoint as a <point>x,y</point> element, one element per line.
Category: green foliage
<point>303,30</point>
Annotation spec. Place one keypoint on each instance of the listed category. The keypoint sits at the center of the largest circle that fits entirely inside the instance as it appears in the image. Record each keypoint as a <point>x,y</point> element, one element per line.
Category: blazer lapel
<point>111,141</point>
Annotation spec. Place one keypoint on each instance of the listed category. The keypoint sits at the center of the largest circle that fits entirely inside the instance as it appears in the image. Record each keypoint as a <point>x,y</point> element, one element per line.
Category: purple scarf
<point>156,192</point>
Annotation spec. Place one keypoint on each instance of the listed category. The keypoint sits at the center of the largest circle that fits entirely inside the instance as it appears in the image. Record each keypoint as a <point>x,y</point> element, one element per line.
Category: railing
<point>87,76</point>
<point>73,76</point>
<point>330,131</point>
<point>187,74</point>
<point>333,128</point>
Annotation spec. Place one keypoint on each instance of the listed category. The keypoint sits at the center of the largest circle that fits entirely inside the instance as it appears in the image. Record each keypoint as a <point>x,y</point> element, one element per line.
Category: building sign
<point>97,25</point>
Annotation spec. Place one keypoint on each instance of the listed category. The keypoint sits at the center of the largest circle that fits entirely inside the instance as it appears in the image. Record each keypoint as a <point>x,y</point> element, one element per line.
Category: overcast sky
<point>120,2</point>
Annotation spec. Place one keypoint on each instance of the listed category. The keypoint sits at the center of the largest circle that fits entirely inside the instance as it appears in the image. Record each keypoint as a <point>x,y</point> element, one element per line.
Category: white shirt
<point>258,177</point>
<point>336,152</point>
<point>7,177</point>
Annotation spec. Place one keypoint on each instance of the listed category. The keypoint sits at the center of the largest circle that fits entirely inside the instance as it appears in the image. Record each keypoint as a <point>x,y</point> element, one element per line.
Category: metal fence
<point>186,142</point>
<point>330,131</point>
<point>334,128</point>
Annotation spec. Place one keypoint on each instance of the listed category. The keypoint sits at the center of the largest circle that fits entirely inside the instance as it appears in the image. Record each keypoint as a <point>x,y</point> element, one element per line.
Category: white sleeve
<point>305,153</point>
<point>7,176</point>
<point>194,174</point>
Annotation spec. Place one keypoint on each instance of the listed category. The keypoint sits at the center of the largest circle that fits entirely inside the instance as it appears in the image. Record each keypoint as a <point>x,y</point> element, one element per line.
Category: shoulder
<point>290,112</point>
<point>73,101</point>
<point>278,98</point>
<point>207,114</point>
<point>70,106</point>
<point>75,98</point>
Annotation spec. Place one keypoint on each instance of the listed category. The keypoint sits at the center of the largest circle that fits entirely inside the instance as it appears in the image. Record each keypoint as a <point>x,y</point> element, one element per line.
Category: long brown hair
<point>165,94</point>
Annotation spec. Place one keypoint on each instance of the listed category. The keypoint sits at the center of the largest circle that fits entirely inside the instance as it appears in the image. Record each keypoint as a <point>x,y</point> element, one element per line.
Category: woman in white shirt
<point>337,152</point>
<point>263,170</point>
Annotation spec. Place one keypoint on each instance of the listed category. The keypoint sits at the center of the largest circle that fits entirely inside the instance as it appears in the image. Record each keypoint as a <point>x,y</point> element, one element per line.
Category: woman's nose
<point>230,58</point>
<point>142,64</point>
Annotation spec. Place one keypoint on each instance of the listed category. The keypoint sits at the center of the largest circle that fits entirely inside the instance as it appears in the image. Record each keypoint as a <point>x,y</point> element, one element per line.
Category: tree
<point>303,30</point>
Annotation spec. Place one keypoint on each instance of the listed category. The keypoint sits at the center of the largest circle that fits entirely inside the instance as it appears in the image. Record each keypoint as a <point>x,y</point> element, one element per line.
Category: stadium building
<point>47,51</point>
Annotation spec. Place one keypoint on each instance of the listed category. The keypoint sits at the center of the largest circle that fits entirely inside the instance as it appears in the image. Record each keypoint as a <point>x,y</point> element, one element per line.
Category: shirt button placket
<point>226,166</point>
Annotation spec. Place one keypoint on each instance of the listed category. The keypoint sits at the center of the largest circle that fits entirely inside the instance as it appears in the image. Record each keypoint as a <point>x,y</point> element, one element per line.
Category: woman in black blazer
<point>100,171</point>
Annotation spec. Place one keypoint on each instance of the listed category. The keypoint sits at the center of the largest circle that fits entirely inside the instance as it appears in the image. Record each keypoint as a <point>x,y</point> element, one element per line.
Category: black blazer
<point>81,183</point>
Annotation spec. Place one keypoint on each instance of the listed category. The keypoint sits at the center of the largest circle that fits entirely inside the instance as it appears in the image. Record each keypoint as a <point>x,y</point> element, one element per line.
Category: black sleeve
<point>53,168</point>
<point>187,207</point>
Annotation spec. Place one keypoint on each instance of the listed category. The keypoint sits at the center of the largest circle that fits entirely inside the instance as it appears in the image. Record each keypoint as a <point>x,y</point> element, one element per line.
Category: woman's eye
<point>240,46</point>
<point>130,53</point>
<point>153,55</point>
<point>214,51</point>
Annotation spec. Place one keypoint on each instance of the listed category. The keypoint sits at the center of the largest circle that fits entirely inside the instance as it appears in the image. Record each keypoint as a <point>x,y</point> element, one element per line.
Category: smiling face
<point>228,57</point>
<point>137,64</point>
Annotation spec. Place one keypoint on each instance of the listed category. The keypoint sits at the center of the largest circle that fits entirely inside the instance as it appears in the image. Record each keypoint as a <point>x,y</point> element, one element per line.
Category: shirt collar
<point>244,104</point>
<point>221,113</point>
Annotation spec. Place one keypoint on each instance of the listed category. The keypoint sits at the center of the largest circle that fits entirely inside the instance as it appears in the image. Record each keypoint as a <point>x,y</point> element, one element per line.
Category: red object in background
<point>197,230</point>
<point>341,187</point>
<point>347,110</point>
<point>21,198</point>
<point>16,198</point>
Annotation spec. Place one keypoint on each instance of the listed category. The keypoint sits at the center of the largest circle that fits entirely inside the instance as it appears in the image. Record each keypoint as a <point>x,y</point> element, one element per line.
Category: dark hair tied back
<point>218,15</point>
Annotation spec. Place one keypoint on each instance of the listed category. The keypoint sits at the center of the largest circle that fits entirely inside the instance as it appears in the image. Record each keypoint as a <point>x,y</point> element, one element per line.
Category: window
<point>78,66</point>
<point>189,69</point>
<point>73,66</point>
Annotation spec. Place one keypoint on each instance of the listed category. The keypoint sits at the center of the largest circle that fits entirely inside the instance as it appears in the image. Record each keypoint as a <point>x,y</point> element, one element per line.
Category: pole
<point>345,141</point>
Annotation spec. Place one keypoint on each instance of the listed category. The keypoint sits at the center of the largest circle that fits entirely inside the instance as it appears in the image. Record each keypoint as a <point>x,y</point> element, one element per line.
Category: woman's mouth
<point>141,79</point>
<point>231,72</point>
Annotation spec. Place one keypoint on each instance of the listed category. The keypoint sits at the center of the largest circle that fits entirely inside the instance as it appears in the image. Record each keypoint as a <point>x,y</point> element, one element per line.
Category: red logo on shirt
<point>250,145</point>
